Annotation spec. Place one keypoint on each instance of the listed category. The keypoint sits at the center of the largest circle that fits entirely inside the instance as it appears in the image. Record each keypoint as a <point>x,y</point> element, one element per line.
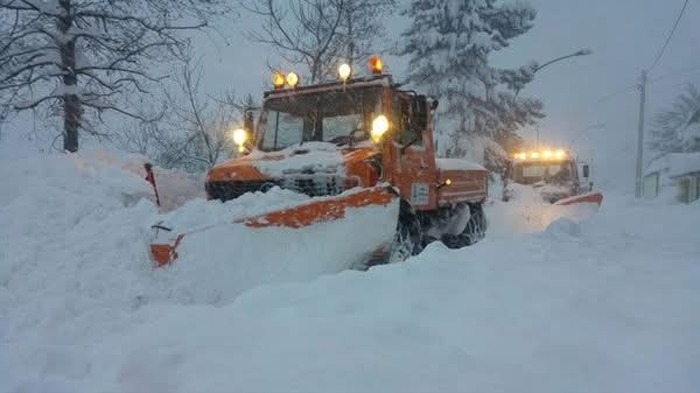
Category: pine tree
<point>677,129</point>
<point>449,44</point>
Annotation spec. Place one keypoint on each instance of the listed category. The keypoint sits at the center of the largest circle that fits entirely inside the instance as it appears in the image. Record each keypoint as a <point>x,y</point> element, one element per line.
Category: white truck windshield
<point>533,172</point>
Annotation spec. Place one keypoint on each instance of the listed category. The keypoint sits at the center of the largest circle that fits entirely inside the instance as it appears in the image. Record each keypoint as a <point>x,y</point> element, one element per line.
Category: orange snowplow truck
<point>352,143</point>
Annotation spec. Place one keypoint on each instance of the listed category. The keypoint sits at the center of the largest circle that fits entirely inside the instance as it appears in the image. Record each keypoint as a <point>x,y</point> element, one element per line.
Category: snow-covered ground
<point>554,299</point>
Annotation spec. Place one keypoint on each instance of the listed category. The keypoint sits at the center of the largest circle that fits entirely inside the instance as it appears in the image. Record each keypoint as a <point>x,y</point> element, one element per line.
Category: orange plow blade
<point>322,210</point>
<point>594,197</point>
<point>306,214</point>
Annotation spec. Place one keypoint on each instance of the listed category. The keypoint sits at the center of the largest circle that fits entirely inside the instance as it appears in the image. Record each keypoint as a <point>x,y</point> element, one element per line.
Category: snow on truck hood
<point>310,157</point>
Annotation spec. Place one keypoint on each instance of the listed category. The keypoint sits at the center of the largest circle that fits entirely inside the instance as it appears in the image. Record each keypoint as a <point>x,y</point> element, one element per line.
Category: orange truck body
<point>402,165</point>
<point>413,169</point>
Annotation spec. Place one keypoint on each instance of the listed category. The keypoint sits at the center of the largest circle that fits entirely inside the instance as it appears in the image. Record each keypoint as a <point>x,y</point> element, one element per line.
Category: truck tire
<point>407,239</point>
<point>474,231</point>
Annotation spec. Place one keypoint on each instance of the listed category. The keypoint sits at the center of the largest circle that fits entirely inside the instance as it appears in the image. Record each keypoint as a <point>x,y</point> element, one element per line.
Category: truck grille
<point>314,185</point>
<point>227,190</point>
<point>310,185</point>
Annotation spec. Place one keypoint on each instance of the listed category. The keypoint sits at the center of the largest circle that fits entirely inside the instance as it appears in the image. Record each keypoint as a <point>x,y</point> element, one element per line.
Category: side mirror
<point>417,121</point>
<point>419,111</point>
<point>434,104</point>
<point>586,171</point>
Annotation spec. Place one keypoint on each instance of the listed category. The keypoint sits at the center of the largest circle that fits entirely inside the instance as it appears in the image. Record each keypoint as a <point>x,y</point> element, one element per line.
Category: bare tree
<point>319,33</point>
<point>77,56</point>
<point>363,27</point>
<point>204,123</point>
<point>194,134</point>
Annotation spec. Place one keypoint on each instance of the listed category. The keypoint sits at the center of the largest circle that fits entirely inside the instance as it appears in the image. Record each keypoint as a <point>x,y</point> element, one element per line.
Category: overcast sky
<point>624,35</point>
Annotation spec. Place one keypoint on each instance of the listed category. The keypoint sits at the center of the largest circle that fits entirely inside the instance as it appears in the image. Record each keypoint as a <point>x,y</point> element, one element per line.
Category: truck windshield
<point>339,116</point>
<point>533,172</point>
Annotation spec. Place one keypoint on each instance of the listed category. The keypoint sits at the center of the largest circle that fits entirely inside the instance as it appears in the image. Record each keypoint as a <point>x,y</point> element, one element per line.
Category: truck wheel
<point>407,239</point>
<point>474,231</point>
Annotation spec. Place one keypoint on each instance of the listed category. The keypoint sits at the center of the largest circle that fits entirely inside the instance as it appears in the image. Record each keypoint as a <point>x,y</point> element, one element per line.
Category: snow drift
<point>562,304</point>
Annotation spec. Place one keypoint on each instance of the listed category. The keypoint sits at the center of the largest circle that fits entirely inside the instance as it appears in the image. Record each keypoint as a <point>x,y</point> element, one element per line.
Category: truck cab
<point>326,138</point>
<point>554,174</point>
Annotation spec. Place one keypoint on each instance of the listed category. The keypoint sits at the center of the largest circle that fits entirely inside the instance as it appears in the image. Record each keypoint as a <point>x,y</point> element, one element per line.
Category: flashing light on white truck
<point>554,173</point>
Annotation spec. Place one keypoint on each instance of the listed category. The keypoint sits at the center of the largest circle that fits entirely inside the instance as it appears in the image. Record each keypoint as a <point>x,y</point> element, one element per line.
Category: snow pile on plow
<point>218,259</point>
<point>527,212</point>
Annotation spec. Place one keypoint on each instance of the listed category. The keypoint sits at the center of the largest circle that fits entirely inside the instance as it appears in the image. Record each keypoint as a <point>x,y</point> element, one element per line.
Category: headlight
<point>240,136</point>
<point>344,71</point>
<point>293,79</point>
<point>278,80</point>
<point>380,125</point>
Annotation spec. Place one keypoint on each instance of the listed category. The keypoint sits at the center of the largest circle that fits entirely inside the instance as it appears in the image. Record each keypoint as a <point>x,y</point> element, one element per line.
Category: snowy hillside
<point>604,302</point>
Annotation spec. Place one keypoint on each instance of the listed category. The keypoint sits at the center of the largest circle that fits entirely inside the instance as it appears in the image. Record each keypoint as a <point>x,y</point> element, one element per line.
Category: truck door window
<point>408,130</point>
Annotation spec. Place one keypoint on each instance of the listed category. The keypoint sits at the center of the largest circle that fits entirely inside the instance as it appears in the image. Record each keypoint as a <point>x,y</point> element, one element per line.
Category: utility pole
<point>640,135</point>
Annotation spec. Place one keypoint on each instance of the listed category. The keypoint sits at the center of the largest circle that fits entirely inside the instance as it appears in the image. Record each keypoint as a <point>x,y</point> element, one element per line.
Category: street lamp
<point>582,52</point>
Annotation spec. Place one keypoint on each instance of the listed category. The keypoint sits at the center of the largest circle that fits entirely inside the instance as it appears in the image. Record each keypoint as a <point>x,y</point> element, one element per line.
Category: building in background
<point>675,175</point>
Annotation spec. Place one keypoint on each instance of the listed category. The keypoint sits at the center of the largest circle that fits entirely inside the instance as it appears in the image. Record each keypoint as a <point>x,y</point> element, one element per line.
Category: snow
<point>675,164</point>
<point>456,164</point>
<point>551,300</point>
<point>319,157</point>
<point>528,212</point>
<point>690,136</point>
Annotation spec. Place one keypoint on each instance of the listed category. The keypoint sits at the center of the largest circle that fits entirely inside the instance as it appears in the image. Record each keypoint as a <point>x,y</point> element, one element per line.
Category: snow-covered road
<point>543,304</point>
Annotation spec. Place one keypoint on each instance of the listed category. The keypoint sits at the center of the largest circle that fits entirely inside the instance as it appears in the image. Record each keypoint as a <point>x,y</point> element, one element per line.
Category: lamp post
<point>582,52</point>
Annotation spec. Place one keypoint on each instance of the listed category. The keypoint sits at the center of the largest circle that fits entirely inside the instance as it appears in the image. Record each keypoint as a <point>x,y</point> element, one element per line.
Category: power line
<point>668,39</point>
<point>683,71</point>
<point>616,93</point>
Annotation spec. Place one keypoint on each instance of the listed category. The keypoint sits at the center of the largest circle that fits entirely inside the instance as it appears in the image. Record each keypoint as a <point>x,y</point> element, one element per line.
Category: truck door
<point>412,151</point>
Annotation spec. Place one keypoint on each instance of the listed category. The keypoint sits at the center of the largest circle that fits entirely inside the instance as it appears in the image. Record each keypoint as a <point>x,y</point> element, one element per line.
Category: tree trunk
<point>71,104</point>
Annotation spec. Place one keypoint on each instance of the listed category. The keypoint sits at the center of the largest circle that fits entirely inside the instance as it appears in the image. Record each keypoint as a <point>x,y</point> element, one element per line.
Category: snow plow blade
<point>594,197</point>
<point>323,210</point>
<point>306,214</point>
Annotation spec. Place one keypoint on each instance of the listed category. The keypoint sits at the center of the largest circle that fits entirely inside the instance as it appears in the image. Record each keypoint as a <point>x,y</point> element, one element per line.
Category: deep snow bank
<point>604,305</point>
<point>74,266</point>
<point>608,304</point>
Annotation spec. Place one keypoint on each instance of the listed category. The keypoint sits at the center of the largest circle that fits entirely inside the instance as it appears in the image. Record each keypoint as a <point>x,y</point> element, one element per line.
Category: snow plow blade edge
<point>595,197</point>
<point>321,211</point>
<point>306,214</point>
